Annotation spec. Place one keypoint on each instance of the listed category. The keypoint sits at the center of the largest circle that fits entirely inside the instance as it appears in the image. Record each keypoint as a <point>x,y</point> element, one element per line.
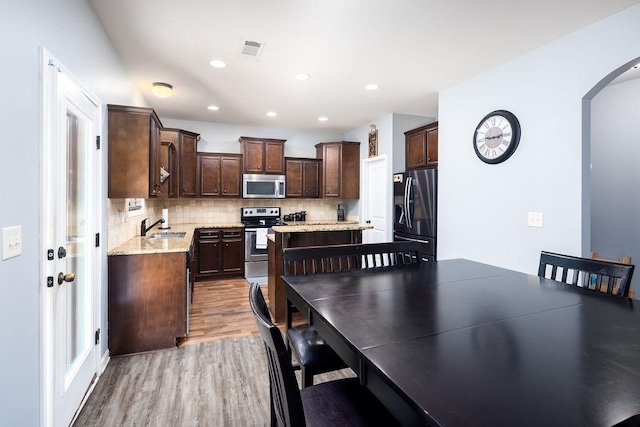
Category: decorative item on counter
<point>340,213</point>
<point>165,217</point>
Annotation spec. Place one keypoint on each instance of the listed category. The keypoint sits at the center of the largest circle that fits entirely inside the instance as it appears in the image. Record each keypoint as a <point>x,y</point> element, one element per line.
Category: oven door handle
<point>250,230</point>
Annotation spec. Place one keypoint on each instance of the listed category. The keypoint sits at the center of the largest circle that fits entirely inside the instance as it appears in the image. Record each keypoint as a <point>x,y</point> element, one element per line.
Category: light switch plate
<point>11,242</point>
<point>535,219</point>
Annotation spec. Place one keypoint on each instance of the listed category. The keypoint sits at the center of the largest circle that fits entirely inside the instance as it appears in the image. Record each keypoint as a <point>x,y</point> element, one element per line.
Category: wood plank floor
<point>220,310</point>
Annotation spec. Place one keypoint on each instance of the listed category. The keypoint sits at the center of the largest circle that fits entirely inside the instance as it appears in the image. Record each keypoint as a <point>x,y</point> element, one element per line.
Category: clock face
<point>496,137</point>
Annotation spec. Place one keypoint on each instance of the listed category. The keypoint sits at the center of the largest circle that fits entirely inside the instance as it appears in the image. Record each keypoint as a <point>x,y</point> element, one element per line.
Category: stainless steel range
<point>257,223</point>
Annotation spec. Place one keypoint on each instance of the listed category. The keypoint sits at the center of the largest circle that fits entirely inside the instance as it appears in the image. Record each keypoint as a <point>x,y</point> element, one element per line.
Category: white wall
<point>70,31</point>
<point>483,208</point>
<point>615,156</point>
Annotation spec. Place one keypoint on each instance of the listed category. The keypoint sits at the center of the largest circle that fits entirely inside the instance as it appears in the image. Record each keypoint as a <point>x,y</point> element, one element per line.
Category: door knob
<point>368,222</point>
<point>69,277</point>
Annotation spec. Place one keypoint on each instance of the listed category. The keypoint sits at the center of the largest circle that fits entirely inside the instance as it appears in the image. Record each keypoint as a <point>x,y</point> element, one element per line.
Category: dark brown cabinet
<point>340,175</point>
<point>186,173</point>
<point>262,155</point>
<point>134,152</point>
<point>147,300</point>
<point>422,147</point>
<point>219,175</point>
<point>219,252</point>
<point>303,177</point>
<point>168,162</point>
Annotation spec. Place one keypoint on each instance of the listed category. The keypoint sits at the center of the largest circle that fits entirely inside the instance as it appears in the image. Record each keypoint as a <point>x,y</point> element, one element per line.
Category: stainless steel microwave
<point>256,186</point>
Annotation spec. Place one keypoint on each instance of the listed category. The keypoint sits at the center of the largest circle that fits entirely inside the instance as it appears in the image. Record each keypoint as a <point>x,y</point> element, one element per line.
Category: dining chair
<point>334,403</point>
<point>589,273</point>
<point>313,354</point>
<point>622,260</point>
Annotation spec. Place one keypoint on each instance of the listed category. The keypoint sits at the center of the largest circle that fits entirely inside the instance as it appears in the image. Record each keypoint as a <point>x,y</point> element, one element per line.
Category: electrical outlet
<point>11,242</point>
<point>535,219</point>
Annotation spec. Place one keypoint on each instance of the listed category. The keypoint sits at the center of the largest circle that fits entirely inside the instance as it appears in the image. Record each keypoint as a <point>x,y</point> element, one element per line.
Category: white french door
<point>71,190</point>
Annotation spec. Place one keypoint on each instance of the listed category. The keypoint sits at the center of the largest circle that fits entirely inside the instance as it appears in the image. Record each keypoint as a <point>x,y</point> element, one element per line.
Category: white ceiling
<point>411,48</point>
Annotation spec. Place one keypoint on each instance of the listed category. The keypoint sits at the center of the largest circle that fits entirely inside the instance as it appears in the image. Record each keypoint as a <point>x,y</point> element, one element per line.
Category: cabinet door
<point>231,173</point>
<point>274,157</point>
<point>154,157</point>
<point>233,251</point>
<point>188,147</point>
<point>209,172</point>
<point>294,178</point>
<point>432,147</point>
<point>167,161</point>
<point>416,155</point>
<point>253,156</point>
<point>332,168</point>
<point>311,173</point>
<point>209,250</point>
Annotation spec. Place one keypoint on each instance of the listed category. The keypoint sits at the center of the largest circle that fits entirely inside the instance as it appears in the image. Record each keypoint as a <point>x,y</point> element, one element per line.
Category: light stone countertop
<point>139,245</point>
<point>318,222</point>
<point>310,228</point>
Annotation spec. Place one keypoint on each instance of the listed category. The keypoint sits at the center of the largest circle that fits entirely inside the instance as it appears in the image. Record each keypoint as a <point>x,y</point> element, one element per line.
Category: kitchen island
<point>299,234</point>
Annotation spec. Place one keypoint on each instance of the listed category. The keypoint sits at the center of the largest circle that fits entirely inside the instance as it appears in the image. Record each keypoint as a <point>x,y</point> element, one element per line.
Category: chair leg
<point>274,418</point>
<point>307,377</point>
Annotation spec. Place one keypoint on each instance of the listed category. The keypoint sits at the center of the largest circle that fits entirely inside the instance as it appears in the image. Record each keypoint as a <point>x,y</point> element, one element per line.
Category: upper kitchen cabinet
<point>186,143</point>
<point>262,155</point>
<point>422,147</point>
<point>220,175</point>
<point>303,177</point>
<point>340,175</point>
<point>134,152</point>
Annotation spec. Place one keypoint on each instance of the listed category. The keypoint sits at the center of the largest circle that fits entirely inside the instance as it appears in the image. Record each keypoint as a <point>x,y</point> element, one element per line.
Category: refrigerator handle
<point>407,198</point>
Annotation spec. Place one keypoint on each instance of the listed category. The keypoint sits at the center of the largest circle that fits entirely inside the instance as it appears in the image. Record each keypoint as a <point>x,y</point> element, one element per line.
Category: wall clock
<point>496,136</point>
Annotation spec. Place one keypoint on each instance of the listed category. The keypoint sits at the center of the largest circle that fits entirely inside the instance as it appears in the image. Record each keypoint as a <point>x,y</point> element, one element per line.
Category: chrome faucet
<point>143,226</point>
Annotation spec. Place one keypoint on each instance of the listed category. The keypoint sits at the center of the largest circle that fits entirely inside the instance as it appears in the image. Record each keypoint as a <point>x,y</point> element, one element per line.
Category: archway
<point>610,165</point>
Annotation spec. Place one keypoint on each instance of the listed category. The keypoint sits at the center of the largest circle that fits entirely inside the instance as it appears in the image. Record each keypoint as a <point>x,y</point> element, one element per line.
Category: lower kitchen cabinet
<point>219,252</point>
<point>148,301</point>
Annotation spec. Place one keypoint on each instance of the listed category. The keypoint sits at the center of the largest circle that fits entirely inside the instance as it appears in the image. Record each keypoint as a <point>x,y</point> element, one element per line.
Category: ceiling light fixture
<point>372,86</point>
<point>272,114</point>
<point>162,90</point>
<point>217,63</point>
<point>213,107</point>
<point>302,76</point>
<point>322,119</point>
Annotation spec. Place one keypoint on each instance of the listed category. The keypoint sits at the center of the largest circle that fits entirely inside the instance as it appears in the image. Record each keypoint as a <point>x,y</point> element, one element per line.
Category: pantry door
<point>71,191</point>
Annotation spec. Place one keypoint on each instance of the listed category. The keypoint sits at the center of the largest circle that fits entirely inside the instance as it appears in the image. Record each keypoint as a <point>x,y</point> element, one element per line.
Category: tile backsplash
<point>186,211</point>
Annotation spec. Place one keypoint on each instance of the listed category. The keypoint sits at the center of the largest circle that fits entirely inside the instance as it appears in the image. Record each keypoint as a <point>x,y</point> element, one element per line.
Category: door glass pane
<point>77,240</point>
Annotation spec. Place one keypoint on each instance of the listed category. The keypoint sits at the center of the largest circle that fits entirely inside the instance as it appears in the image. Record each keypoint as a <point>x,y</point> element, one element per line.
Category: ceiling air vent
<point>252,49</point>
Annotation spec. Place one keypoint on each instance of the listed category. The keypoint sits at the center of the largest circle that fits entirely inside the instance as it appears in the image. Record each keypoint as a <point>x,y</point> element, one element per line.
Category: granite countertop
<point>310,227</point>
<point>139,245</point>
<point>318,222</point>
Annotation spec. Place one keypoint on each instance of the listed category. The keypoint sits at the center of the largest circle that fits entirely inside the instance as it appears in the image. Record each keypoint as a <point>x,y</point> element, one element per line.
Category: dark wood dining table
<point>457,342</point>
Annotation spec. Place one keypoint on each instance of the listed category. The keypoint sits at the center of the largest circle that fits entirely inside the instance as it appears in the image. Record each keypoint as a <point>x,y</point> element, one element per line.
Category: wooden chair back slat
<point>605,276</point>
<point>335,258</point>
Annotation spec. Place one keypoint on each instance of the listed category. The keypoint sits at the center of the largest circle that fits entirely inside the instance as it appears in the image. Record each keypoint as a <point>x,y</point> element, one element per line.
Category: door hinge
<point>97,336</point>
<point>97,240</point>
<point>98,142</point>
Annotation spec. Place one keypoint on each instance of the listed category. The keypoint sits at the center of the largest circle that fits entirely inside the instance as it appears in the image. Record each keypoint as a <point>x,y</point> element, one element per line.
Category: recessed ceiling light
<point>302,76</point>
<point>218,63</point>
<point>272,114</point>
<point>213,107</point>
<point>372,86</point>
<point>323,119</point>
<point>162,90</point>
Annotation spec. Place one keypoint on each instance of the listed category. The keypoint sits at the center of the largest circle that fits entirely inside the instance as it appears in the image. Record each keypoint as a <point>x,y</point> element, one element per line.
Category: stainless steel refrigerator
<point>415,209</point>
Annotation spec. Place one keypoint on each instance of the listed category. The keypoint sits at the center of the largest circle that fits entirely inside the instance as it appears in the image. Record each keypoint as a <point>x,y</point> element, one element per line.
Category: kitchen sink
<point>168,235</point>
